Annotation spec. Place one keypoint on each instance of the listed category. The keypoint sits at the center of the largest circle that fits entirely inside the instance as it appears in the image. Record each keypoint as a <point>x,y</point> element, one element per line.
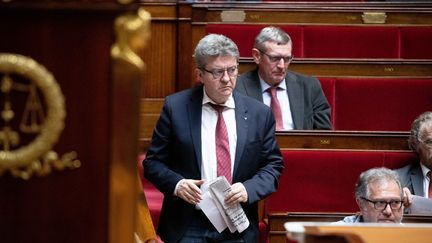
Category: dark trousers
<point>201,230</point>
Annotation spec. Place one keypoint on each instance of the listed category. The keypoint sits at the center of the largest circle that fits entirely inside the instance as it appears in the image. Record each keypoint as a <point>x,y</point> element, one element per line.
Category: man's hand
<point>407,197</point>
<point>238,194</point>
<point>189,191</point>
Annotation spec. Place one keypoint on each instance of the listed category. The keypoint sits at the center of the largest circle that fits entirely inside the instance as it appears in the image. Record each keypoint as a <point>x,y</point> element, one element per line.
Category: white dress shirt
<point>209,118</point>
<point>282,96</point>
<point>426,179</point>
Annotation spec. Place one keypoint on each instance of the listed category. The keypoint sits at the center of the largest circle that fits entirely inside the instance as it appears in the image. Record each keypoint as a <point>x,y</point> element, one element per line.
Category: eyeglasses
<point>219,73</point>
<point>381,205</point>
<point>276,59</point>
<point>427,142</point>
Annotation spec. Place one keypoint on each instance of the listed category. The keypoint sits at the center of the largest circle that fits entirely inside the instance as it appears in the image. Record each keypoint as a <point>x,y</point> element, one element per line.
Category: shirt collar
<point>424,169</point>
<point>265,86</point>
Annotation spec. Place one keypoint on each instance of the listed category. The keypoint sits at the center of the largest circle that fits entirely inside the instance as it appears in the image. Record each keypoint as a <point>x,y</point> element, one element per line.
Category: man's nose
<point>281,63</point>
<point>387,210</point>
<point>225,77</point>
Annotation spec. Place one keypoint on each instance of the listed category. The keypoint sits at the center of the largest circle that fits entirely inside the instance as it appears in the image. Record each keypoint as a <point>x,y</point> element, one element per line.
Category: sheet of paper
<point>421,205</point>
<point>208,206</point>
<point>220,214</point>
<point>220,188</point>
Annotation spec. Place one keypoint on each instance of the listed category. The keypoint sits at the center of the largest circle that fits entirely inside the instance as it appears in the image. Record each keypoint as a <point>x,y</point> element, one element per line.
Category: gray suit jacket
<point>175,154</point>
<point>411,176</point>
<point>309,106</point>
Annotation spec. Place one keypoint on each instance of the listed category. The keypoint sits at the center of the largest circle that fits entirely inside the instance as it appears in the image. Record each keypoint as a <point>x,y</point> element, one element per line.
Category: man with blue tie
<point>205,132</point>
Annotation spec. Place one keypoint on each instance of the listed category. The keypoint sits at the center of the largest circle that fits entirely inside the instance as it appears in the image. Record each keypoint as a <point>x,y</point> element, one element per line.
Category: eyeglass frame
<point>427,142</point>
<point>232,73</point>
<point>385,205</point>
<point>276,59</point>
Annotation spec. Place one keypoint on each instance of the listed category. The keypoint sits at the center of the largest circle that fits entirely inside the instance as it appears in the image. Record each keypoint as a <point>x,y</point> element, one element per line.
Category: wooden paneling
<point>150,111</point>
<point>73,43</point>
<point>160,57</point>
<point>360,68</point>
<point>343,140</point>
<point>316,13</point>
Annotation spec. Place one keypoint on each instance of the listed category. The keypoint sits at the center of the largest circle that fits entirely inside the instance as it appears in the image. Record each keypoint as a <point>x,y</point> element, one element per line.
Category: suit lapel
<point>296,98</point>
<point>194,115</point>
<point>253,86</point>
<point>417,180</point>
<point>242,124</point>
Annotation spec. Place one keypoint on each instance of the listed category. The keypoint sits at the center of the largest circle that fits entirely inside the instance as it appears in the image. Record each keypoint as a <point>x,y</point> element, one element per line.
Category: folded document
<point>222,215</point>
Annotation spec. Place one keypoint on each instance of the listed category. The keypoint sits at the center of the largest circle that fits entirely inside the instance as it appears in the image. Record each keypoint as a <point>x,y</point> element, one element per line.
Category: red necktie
<point>222,146</point>
<point>275,106</point>
<point>430,184</point>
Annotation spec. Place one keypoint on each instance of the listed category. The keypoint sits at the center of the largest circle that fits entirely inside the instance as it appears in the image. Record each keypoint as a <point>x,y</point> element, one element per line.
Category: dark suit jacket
<point>309,106</point>
<point>411,176</point>
<point>175,154</point>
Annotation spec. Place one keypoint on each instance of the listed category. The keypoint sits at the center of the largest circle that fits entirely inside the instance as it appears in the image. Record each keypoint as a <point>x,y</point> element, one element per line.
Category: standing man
<point>380,197</point>
<point>417,176</point>
<point>188,149</point>
<point>297,101</point>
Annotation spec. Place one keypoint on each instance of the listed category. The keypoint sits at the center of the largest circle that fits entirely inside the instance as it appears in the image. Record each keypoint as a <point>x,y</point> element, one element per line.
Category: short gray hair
<point>375,175</point>
<point>271,34</point>
<point>214,45</point>
<point>417,124</point>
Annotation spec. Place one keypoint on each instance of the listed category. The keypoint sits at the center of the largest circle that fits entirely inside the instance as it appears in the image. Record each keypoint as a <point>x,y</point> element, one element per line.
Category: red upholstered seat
<point>328,87</point>
<point>395,160</point>
<point>244,36</point>
<point>327,41</point>
<point>153,196</point>
<point>320,181</point>
<point>380,104</point>
<point>416,42</point>
<point>351,42</point>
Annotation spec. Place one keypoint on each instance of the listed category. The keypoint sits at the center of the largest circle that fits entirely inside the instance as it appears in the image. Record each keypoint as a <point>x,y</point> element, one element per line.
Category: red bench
<point>340,41</point>
<point>323,181</point>
<point>377,104</point>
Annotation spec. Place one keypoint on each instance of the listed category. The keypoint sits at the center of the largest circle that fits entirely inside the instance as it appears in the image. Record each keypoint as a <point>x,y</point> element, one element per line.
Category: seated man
<point>416,176</point>
<point>379,196</point>
<point>297,101</point>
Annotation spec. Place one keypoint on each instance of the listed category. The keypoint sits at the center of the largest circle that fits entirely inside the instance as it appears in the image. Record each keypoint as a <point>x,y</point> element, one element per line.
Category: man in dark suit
<point>416,176</point>
<point>301,99</point>
<point>182,155</point>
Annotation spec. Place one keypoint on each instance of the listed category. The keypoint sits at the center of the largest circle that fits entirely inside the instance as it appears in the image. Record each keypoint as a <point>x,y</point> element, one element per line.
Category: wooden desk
<point>277,231</point>
<point>353,140</point>
<point>360,233</point>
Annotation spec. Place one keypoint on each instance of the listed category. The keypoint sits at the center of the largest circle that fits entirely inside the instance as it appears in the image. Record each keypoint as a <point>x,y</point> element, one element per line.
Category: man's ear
<point>256,54</point>
<point>359,202</point>
<point>198,76</point>
<point>413,143</point>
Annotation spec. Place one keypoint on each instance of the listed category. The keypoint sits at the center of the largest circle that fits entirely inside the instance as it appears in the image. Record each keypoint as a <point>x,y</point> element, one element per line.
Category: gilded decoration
<point>132,33</point>
<point>30,125</point>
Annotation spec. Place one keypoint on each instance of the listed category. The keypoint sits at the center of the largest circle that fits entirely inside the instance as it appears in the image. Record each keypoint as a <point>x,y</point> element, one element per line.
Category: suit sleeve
<point>265,180</point>
<point>321,107</point>
<point>157,167</point>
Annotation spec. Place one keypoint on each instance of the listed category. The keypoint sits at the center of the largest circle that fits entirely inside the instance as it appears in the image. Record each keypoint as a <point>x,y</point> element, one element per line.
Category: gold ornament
<point>43,118</point>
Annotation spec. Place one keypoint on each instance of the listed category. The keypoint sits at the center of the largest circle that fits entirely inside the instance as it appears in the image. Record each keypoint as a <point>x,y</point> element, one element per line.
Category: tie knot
<point>218,108</point>
<point>429,174</point>
<point>272,90</point>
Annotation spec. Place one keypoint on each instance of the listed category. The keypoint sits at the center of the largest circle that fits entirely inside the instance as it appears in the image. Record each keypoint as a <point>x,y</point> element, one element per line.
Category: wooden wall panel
<point>74,44</point>
<point>160,77</point>
<point>161,54</point>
